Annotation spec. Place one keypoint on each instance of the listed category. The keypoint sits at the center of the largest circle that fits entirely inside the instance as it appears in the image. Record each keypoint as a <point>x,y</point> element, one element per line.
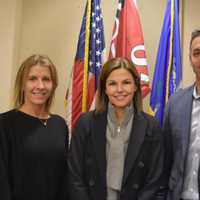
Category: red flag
<point>127,40</point>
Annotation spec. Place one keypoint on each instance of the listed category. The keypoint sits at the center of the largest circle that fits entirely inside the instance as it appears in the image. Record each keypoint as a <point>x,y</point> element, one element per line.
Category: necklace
<point>44,121</point>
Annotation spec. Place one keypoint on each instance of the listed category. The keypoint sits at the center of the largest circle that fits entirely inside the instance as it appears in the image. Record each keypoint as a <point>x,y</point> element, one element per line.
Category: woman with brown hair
<point>32,139</point>
<point>116,151</point>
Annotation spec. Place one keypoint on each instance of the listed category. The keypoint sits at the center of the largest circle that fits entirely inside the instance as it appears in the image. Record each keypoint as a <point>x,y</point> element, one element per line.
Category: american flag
<point>88,63</point>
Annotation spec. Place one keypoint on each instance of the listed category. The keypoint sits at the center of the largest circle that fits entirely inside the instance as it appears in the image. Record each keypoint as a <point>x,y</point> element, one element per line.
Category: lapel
<point>136,139</point>
<point>186,122</point>
<point>99,142</point>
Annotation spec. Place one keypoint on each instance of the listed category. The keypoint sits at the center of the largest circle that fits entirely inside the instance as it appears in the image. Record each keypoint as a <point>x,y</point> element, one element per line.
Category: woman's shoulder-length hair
<point>108,67</point>
<point>22,74</point>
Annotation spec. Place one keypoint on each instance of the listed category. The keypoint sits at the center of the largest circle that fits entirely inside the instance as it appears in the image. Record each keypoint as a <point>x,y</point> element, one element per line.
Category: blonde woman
<point>32,139</point>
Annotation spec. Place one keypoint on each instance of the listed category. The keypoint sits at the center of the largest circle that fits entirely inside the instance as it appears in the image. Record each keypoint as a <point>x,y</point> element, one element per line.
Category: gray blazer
<point>177,122</point>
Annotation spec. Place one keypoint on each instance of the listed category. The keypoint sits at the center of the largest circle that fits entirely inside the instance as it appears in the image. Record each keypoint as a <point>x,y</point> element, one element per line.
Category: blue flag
<point>168,69</point>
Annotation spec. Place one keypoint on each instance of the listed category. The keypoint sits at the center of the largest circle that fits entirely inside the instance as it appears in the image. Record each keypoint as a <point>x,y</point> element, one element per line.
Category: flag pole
<point>170,51</point>
<point>86,60</point>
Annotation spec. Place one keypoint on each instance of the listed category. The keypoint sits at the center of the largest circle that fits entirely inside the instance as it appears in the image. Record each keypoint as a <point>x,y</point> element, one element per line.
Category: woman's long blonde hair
<point>22,76</point>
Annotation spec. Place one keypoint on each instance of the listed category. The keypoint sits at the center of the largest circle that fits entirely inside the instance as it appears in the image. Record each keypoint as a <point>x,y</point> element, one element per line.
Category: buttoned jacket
<point>87,159</point>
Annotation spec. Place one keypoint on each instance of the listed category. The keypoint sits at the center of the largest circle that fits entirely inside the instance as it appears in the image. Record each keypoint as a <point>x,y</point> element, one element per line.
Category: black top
<point>32,157</point>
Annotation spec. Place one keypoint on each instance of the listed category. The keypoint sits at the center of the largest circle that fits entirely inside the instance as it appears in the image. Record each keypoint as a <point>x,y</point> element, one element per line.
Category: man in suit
<point>182,134</point>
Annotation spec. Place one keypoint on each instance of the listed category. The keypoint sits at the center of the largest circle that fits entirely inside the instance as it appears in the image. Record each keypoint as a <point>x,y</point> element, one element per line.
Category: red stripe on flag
<point>77,91</point>
<point>91,90</point>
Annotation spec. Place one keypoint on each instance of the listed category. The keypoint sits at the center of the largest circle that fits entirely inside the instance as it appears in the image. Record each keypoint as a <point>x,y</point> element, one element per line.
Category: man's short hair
<point>195,33</point>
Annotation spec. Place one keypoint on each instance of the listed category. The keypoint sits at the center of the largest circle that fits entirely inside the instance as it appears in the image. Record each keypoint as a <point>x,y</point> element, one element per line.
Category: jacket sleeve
<point>5,192</point>
<point>77,187</point>
<point>168,147</point>
<point>156,163</point>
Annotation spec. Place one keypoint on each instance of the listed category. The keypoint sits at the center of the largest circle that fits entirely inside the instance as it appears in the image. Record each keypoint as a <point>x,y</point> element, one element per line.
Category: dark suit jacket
<point>87,159</point>
<point>177,124</point>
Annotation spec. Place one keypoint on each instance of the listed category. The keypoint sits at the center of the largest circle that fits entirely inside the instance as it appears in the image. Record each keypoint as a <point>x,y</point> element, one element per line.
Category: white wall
<point>191,21</point>
<point>10,16</point>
